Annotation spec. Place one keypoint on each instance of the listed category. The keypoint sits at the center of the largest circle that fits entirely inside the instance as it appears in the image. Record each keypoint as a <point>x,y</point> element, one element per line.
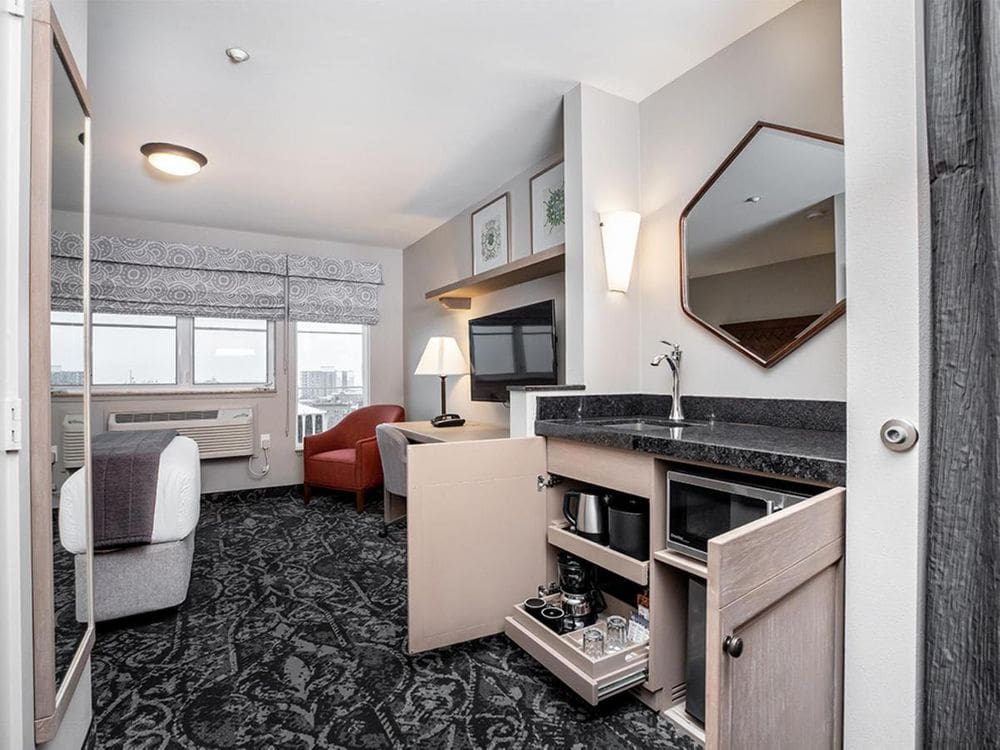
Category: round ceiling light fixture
<point>179,161</point>
<point>237,55</point>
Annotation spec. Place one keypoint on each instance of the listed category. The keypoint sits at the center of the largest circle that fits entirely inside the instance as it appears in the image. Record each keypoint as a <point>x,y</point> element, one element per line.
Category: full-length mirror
<point>67,360</point>
<point>60,496</point>
<point>762,243</point>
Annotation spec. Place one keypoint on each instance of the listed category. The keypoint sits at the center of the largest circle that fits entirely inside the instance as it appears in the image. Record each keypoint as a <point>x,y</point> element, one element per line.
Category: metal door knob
<point>733,645</point>
<point>899,435</point>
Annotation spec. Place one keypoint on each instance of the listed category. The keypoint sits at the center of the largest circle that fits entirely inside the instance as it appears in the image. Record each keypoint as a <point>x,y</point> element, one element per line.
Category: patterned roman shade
<point>327,290</point>
<point>169,278</point>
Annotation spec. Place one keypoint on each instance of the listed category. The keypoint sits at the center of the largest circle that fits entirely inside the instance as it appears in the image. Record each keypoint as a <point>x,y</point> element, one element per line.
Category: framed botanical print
<point>548,208</point>
<point>491,235</point>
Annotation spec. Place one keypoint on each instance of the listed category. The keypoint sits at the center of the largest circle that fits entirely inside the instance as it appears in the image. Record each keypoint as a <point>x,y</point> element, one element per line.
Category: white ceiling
<point>791,174</point>
<point>365,120</point>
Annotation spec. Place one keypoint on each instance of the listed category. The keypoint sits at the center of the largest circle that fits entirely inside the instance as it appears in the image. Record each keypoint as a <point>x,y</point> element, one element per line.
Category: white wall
<point>888,249</point>
<point>444,256</point>
<point>72,15</point>
<point>386,350</point>
<point>787,71</point>
<point>601,136</point>
<point>805,286</point>
<point>16,708</point>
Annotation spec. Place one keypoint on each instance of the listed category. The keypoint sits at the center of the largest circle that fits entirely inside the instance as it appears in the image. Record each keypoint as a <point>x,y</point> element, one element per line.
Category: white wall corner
<point>601,146</point>
<point>573,172</point>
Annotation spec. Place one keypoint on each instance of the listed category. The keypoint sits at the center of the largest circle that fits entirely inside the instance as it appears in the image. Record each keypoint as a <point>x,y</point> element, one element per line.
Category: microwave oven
<point>701,507</point>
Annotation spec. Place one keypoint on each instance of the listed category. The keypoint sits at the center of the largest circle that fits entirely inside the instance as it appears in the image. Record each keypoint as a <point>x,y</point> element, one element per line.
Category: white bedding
<point>178,498</point>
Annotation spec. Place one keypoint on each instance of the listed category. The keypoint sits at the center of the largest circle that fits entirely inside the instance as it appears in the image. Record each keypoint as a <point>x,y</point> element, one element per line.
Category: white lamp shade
<point>619,232</point>
<point>442,357</point>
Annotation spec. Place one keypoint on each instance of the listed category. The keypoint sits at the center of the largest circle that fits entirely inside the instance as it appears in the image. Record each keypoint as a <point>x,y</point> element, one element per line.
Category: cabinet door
<point>476,525</point>
<point>774,650</point>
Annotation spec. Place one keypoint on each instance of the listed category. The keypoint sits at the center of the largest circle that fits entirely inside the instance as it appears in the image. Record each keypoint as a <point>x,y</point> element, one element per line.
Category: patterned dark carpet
<point>293,636</point>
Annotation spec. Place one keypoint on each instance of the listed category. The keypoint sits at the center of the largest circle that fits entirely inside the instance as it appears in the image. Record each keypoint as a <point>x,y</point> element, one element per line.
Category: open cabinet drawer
<point>591,679</point>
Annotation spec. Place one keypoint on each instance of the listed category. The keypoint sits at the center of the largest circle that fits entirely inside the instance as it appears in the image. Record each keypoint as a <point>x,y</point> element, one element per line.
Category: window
<point>159,352</point>
<point>67,350</point>
<point>331,374</point>
<point>131,350</point>
<point>230,351</point>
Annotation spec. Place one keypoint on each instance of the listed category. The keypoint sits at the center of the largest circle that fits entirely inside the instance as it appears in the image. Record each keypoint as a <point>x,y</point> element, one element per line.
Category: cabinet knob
<point>733,645</point>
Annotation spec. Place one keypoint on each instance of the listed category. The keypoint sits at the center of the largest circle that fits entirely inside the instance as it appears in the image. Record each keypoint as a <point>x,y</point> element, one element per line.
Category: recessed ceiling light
<point>180,161</point>
<point>237,54</point>
<point>752,199</point>
<point>816,213</point>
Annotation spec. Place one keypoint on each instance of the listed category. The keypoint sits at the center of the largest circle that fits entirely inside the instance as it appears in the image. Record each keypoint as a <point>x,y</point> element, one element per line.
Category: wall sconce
<point>619,233</point>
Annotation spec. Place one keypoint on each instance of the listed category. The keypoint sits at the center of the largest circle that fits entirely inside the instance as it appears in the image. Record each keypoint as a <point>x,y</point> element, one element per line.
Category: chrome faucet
<point>673,358</point>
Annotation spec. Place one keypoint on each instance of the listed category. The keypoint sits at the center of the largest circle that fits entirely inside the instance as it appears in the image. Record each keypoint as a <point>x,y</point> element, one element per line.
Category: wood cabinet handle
<point>733,645</point>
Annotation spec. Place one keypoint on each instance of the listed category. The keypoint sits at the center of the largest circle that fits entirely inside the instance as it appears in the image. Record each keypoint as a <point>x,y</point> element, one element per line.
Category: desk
<point>424,432</point>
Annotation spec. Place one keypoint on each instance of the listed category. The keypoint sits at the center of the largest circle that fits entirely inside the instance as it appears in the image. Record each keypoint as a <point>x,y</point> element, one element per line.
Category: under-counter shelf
<point>682,562</point>
<point>627,567</point>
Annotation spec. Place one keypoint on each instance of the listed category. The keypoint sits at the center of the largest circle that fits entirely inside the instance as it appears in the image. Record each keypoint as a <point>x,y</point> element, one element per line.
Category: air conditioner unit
<point>72,441</point>
<point>219,433</point>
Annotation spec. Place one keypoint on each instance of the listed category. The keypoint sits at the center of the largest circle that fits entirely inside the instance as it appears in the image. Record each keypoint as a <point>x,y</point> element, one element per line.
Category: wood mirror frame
<point>813,328</point>
<point>51,699</point>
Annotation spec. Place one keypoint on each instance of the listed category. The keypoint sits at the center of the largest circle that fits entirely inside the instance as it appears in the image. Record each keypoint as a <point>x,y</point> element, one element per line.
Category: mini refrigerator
<point>695,668</point>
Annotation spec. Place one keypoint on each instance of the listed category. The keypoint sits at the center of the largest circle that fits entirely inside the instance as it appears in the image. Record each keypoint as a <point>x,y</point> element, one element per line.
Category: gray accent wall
<point>445,256</point>
<point>962,657</point>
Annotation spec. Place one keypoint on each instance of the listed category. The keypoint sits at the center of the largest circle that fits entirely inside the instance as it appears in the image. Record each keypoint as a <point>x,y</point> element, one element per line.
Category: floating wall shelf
<point>459,294</point>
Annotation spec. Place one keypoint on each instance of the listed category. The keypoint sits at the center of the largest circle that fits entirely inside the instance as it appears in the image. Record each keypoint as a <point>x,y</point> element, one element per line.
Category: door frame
<point>888,369</point>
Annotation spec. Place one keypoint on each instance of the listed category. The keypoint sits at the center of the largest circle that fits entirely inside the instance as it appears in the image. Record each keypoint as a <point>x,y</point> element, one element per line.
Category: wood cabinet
<point>475,536</point>
<point>484,531</point>
<point>775,629</point>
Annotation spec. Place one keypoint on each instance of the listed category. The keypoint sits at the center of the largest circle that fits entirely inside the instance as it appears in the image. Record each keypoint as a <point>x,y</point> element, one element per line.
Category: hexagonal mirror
<point>762,243</point>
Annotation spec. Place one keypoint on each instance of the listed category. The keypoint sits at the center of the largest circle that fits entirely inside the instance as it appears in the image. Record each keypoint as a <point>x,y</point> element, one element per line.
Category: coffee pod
<point>534,607</point>
<point>553,617</point>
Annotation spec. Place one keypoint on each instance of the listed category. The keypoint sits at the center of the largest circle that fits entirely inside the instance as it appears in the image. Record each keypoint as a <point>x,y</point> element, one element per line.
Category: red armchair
<point>345,457</point>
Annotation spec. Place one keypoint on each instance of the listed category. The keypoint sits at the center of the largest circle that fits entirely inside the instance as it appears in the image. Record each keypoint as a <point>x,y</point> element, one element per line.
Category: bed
<point>143,578</point>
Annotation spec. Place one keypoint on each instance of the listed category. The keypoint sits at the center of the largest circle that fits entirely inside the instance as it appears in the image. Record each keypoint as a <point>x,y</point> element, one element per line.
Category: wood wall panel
<point>962,656</point>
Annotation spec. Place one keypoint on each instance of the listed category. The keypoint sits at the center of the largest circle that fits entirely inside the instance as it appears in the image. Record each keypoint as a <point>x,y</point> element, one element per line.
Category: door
<point>476,546</point>
<point>774,633</point>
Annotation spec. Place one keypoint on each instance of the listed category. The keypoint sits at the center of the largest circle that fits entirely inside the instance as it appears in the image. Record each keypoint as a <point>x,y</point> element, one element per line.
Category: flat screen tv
<point>514,347</point>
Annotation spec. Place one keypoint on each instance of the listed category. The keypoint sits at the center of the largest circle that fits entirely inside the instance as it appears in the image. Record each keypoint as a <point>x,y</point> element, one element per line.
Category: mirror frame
<point>817,325</point>
<point>52,700</point>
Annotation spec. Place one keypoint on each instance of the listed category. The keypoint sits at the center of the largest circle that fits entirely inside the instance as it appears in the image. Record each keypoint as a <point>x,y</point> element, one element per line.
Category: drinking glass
<point>593,643</point>
<point>617,633</point>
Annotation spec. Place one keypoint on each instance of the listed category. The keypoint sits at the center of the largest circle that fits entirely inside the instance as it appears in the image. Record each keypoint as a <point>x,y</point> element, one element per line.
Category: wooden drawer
<point>591,679</point>
<point>625,471</point>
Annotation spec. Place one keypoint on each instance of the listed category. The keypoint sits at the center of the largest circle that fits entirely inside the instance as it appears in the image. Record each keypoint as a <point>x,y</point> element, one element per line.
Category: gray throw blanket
<point>126,466</point>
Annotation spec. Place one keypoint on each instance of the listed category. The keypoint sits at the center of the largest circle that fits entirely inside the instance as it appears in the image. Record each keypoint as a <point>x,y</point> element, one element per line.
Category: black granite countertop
<point>530,388</point>
<point>809,454</point>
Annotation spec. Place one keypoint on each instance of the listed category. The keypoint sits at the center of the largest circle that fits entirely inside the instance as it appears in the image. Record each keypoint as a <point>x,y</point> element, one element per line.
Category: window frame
<point>293,371</point>
<point>184,370</point>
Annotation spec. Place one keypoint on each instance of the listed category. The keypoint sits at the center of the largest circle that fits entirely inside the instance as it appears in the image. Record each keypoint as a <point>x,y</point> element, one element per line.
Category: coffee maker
<point>581,601</point>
